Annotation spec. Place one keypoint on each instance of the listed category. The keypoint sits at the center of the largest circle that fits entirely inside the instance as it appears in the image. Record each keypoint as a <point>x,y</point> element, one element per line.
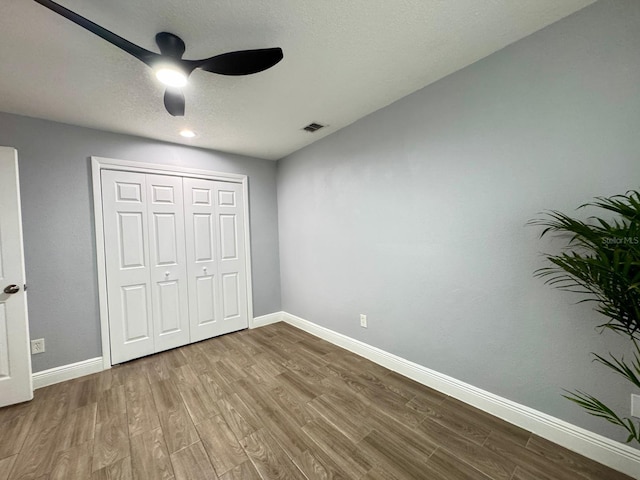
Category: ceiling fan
<point>169,66</point>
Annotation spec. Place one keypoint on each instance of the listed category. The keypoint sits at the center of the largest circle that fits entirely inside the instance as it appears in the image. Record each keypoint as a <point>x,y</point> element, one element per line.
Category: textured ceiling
<point>342,61</point>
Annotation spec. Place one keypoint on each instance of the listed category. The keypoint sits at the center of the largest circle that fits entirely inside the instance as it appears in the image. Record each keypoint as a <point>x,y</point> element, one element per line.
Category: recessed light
<point>186,133</point>
<point>171,75</point>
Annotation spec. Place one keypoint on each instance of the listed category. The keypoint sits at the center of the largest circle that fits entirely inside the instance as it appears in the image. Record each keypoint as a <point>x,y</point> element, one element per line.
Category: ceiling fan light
<point>171,76</point>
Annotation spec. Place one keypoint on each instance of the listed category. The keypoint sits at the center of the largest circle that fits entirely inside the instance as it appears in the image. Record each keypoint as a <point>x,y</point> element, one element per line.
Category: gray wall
<point>416,214</point>
<point>57,209</point>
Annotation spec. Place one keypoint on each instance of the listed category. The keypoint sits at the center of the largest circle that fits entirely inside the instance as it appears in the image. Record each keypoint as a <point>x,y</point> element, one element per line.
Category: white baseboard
<point>613,454</point>
<point>67,372</point>
<point>267,319</point>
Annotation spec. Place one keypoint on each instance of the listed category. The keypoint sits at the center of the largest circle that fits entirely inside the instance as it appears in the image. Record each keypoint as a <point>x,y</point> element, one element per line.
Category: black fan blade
<point>244,62</point>
<point>174,102</point>
<point>140,53</point>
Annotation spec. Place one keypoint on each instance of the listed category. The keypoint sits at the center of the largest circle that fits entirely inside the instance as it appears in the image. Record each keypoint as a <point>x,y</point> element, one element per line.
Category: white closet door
<point>202,255</point>
<point>217,287</point>
<point>127,264</point>
<point>168,261</point>
<point>229,210</point>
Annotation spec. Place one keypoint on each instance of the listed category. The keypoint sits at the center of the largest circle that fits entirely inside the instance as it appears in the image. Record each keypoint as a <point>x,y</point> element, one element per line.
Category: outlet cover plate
<point>635,405</point>
<point>363,320</point>
<point>37,346</point>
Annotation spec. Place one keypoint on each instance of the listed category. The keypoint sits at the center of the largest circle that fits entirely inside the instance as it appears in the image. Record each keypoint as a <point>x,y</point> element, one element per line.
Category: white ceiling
<point>342,61</point>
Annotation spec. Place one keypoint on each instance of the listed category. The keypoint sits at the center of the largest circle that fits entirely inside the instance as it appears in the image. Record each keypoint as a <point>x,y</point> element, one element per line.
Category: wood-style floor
<point>270,403</point>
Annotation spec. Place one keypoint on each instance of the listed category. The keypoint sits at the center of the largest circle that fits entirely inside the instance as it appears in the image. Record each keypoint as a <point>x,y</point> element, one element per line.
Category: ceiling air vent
<point>313,127</point>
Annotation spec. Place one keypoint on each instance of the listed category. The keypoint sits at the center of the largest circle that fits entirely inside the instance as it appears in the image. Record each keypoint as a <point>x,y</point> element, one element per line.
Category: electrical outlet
<point>363,320</point>
<point>635,405</point>
<point>37,346</point>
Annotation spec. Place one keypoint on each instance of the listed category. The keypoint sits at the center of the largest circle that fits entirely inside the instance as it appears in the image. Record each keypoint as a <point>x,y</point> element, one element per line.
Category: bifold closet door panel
<point>215,257</point>
<point>229,208</point>
<point>202,269</point>
<point>168,271</point>
<point>124,205</point>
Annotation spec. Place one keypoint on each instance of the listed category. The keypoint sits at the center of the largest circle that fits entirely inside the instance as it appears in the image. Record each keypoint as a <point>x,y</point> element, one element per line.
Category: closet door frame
<point>100,163</point>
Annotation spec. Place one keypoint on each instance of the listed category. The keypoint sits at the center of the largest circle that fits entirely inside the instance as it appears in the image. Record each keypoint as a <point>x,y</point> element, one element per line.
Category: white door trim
<point>100,163</point>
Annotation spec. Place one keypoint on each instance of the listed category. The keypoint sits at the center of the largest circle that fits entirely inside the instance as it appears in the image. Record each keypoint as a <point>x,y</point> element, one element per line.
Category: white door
<point>126,233</point>
<point>144,239</point>
<point>15,360</point>
<point>202,266</point>
<point>168,261</point>
<point>215,257</point>
<point>231,252</point>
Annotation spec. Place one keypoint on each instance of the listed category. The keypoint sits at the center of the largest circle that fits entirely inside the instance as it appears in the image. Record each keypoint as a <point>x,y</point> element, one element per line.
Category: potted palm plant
<point>601,262</point>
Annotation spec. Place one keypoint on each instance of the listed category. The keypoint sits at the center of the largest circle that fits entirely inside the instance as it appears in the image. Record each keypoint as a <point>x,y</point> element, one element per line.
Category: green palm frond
<point>631,373</point>
<point>601,263</point>
<point>603,260</point>
<point>595,407</point>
